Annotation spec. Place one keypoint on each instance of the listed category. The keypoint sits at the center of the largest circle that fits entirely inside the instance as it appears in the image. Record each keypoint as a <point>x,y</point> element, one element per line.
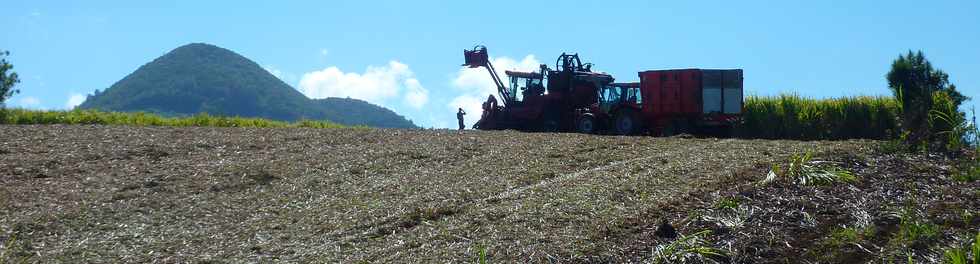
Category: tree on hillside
<point>7,80</point>
<point>914,81</point>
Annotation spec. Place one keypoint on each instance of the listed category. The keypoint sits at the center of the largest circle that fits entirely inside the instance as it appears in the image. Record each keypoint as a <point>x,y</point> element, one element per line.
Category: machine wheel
<point>586,124</point>
<point>626,123</point>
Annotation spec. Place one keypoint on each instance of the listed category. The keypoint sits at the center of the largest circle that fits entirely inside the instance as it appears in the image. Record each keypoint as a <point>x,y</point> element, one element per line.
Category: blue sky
<point>405,55</point>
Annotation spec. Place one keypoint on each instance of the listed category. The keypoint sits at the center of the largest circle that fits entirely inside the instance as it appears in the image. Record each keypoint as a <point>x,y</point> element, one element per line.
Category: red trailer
<point>690,100</point>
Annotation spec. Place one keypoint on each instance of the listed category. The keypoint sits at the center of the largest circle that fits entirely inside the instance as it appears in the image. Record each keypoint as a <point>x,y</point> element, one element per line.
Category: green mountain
<point>198,78</point>
<point>355,111</point>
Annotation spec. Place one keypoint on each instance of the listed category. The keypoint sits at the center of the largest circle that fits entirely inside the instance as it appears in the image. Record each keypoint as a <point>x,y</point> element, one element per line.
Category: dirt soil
<point>110,194</point>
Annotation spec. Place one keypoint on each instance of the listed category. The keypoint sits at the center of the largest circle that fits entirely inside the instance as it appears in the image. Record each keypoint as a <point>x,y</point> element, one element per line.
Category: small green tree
<point>7,80</point>
<point>914,81</point>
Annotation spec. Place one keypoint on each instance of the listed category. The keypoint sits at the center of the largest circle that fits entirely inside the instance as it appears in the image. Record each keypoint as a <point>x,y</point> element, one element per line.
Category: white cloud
<point>415,95</point>
<point>324,52</point>
<point>475,84</point>
<point>377,84</point>
<point>74,100</point>
<point>29,102</point>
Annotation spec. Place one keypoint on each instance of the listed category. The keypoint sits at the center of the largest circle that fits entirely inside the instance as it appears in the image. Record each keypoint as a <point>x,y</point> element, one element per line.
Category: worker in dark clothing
<point>459,117</point>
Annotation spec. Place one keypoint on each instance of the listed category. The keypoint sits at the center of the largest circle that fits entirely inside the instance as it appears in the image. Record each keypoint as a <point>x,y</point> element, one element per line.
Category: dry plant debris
<point>75,194</point>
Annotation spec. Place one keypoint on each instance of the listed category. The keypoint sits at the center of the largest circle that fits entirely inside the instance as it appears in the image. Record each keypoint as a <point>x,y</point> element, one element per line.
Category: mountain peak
<point>202,48</point>
<point>198,45</point>
<point>200,77</point>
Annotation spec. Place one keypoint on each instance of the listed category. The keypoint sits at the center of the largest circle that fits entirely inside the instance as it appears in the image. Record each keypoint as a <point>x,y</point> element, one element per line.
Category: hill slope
<point>232,195</point>
<point>357,112</point>
<point>197,78</point>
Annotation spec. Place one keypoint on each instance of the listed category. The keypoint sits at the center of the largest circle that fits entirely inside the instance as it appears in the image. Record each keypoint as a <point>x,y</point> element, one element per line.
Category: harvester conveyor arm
<point>500,84</point>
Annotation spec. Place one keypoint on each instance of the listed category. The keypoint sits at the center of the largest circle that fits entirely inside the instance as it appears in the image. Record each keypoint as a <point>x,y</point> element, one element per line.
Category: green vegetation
<point>92,117</point>
<point>797,117</point>
<point>727,203</point>
<point>968,168</point>
<point>803,170</point>
<point>914,229</point>
<point>929,103</point>
<point>949,126</point>
<point>969,171</point>
<point>923,112</point>
<point>7,80</point>
<point>349,111</point>
<point>481,257</point>
<point>13,252</point>
<point>201,78</point>
<point>688,248</point>
<point>842,236</point>
<point>960,255</point>
<point>922,90</point>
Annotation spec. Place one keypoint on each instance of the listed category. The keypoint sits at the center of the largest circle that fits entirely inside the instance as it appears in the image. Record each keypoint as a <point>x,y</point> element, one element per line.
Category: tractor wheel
<point>586,124</point>
<point>626,123</point>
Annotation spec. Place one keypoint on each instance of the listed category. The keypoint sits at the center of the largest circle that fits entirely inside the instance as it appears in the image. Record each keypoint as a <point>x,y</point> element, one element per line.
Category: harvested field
<point>76,194</point>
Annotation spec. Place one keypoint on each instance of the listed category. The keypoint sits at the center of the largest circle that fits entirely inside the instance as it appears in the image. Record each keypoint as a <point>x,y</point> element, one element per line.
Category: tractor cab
<point>615,95</point>
<point>525,85</point>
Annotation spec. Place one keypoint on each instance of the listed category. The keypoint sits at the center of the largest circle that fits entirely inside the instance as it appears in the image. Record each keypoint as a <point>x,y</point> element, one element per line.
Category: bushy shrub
<point>926,96</point>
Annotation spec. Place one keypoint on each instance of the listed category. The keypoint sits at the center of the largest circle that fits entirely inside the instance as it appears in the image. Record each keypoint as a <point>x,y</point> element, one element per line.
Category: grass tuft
<point>803,170</point>
<point>842,236</point>
<point>732,217</point>
<point>687,248</point>
<point>12,251</point>
<point>914,230</point>
<point>958,255</point>
<point>481,257</point>
<point>727,202</point>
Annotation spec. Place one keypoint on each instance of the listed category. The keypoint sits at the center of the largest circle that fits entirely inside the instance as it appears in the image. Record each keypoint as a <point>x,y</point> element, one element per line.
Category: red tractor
<point>617,110</point>
<point>528,104</point>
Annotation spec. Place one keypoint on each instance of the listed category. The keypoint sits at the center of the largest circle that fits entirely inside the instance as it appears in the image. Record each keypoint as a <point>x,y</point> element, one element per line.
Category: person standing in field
<point>459,117</point>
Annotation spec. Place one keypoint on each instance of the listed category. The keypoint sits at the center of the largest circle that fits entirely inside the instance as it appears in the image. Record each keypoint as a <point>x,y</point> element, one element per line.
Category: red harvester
<point>529,105</point>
